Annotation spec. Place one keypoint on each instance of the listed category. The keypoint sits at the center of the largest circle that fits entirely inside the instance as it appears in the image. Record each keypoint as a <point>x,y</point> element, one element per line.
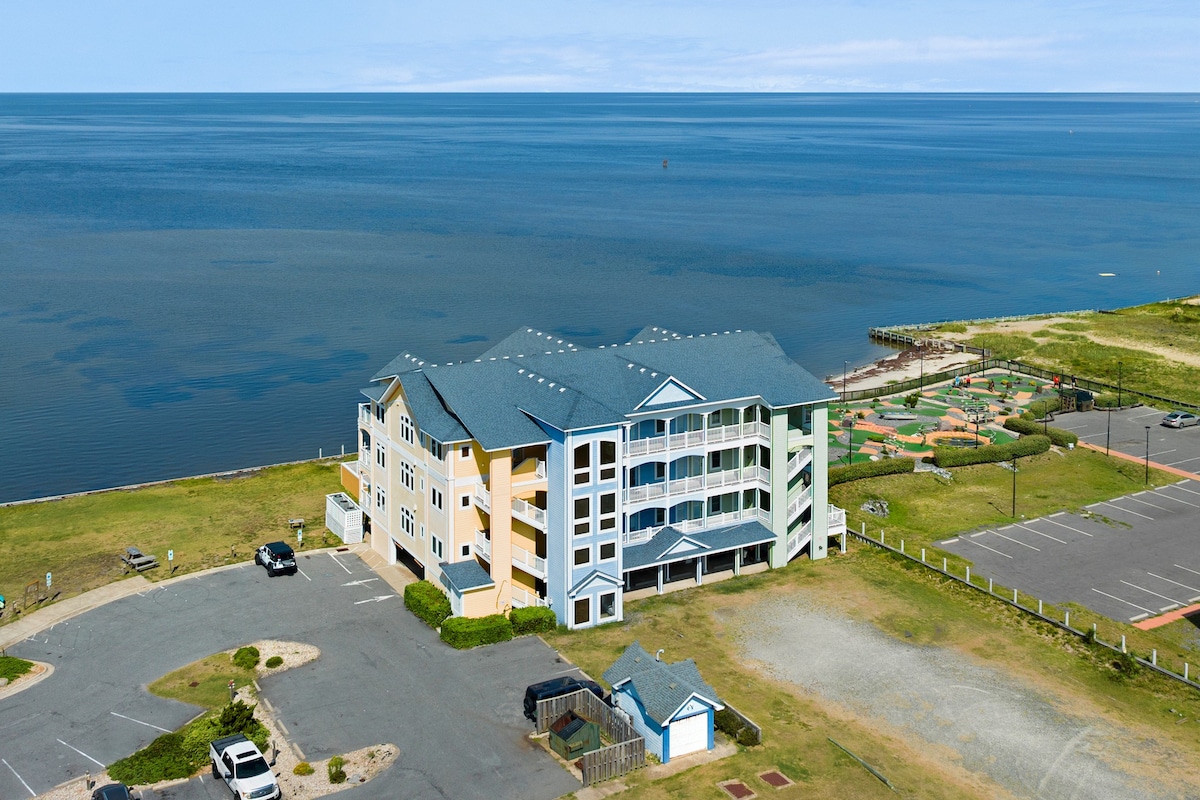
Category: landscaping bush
<point>246,657</point>
<point>13,668</point>
<point>427,602</point>
<point>303,768</point>
<point>748,737</point>
<point>727,723</point>
<point>235,718</point>
<point>877,438</point>
<point>988,454</point>
<point>534,619</point>
<point>163,759</point>
<point>273,662</point>
<point>870,469</point>
<point>1026,427</point>
<point>334,768</point>
<point>466,632</point>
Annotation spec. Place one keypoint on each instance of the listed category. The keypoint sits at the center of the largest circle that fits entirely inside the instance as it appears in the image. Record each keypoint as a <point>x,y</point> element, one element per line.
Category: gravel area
<point>997,726</point>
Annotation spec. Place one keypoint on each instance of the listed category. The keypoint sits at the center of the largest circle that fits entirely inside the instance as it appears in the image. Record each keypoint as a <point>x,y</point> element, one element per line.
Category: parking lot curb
<point>1134,459</point>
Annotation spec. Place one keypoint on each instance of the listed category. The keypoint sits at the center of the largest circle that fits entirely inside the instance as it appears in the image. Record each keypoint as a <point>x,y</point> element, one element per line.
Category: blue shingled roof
<point>662,688</point>
<point>375,391</point>
<point>432,416</point>
<point>497,399</point>
<point>463,576</point>
<point>664,547</point>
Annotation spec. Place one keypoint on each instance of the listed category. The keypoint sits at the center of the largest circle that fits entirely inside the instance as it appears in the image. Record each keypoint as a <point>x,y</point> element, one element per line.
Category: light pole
<point>1118,384</point>
<point>1147,454</point>
<point>921,350</point>
<point>850,443</point>
<point>976,432</point>
<point>1014,498</point>
<point>1108,431</point>
<point>845,364</point>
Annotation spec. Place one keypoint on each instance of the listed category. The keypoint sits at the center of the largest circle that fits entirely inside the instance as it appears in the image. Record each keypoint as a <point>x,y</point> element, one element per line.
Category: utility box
<point>344,518</point>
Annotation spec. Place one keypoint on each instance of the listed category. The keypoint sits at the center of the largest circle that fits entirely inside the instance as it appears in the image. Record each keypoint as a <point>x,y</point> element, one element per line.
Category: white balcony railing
<point>533,564</point>
<point>801,501</point>
<point>483,545</point>
<point>711,521</point>
<point>798,538</point>
<point>714,435</point>
<point>524,599</point>
<point>528,512</point>
<point>798,461</point>
<point>483,499</point>
<point>696,483</point>
<point>836,521</point>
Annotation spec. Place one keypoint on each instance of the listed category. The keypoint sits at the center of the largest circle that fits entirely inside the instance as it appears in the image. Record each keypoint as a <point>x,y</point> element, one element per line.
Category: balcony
<point>798,461</point>
<point>687,525</point>
<point>483,545</point>
<point>529,513</point>
<point>531,470</point>
<point>524,599</point>
<point>836,521</point>
<point>801,501</point>
<point>696,483</point>
<point>483,499</point>
<point>526,561</point>
<point>687,439</point>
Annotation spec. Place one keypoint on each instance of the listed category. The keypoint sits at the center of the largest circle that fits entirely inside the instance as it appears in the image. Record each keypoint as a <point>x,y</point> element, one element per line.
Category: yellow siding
<point>479,603</point>
<point>350,481</point>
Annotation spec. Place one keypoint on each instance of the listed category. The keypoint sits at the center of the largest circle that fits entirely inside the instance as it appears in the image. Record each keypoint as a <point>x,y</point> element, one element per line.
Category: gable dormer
<point>671,391</point>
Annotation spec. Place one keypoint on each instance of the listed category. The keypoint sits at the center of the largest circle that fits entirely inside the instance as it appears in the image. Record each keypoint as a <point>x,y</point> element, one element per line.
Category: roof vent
<point>673,686</point>
<point>658,657</point>
<point>541,380</point>
<point>562,388</point>
<point>642,370</point>
<point>520,370</point>
<point>551,384</point>
<point>637,659</point>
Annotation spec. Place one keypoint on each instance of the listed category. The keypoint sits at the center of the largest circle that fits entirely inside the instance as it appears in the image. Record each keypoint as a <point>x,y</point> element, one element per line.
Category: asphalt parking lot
<point>1129,558</point>
<point>383,676</point>
<point>1173,447</point>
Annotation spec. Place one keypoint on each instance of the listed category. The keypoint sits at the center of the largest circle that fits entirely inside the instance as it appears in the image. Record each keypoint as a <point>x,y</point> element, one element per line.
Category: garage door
<point>689,735</point>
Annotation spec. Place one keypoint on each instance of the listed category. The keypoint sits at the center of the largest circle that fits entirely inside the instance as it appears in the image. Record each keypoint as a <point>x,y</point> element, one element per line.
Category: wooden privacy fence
<point>613,761</point>
<point>627,754</point>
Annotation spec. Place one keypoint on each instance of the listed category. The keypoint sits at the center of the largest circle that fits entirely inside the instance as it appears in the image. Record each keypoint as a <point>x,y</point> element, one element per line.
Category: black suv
<point>276,557</point>
<point>556,687</point>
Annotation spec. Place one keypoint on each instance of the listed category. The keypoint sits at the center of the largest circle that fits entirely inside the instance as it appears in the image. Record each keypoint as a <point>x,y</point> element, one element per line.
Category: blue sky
<point>588,45</point>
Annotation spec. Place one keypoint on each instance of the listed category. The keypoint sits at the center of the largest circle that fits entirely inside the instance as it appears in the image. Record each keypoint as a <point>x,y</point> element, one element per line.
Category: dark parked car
<point>556,687</point>
<point>112,791</point>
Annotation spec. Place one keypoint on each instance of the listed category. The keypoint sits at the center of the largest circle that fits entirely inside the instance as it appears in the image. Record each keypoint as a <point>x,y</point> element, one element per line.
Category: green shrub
<point>196,738</point>
<point>1040,408</point>
<point>13,668</point>
<point>428,602</point>
<point>870,469</point>
<point>163,759</point>
<point>877,438</point>
<point>303,768</point>
<point>988,454</point>
<point>748,737</point>
<point>273,662</point>
<point>335,771</point>
<point>246,657</point>
<point>235,718</point>
<point>1026,427</point>
<point>727,723</point>
<point>534,619</point>
<point>466,632</point>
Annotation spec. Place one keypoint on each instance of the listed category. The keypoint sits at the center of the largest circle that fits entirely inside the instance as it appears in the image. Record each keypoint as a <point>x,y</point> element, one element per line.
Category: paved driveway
<point>382,677</point>
<point>1174,447</point>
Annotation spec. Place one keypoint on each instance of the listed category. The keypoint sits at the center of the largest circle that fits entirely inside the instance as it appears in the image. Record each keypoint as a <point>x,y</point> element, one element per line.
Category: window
<point>464,451</point>
<point>583,515</point>
<point>407,523</point>
<point>583,463</point>
<point>380,455</point>
<point>608,605</point>
<point>608,461</point>
<point>465,551</point>
<point>406,476</point>
<point>583,556</point>
<point>381,499</point>
<point>380,411</point>
<point>583,611</point>
<point>608,551</point>
<point>406,429</point>
<point>464,501</point>
<point>435,497</point>
<point>608,511</point>
<point>436,448</point>
<point>435,544</point>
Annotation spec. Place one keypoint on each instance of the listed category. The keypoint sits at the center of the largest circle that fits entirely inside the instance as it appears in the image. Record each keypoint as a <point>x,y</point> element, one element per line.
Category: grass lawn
<point>80,539</point>
<point>13,668</point>
<point>211,676</point>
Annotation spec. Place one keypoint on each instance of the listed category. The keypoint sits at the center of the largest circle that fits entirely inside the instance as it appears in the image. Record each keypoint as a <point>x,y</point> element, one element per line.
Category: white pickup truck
<point>237,761</point>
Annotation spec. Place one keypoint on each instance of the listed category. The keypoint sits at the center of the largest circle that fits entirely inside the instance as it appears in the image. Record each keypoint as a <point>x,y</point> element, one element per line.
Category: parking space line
<point>1017,541</point>
<point>1163,452</point>
<point>1126,510</point>
<point>340,564</point>
<point>985,547</point>
<point>1126,602</point>
<point>1168,580</point>
<point>302,572</point>
<point>1179,500</point>
<point>77,750</point>
<point>139,722</point>
<point>1180,486</point>
<point>32,793</point>
<point>1154,413</point>
<point>1156,594</point>
<point>1185,569</point>
<point>950,541</point>
<point>1143,502</point>
<point>1182,461</point>
<point>977,535</point>
<point>1025,527</point>
<point>1137,617</point>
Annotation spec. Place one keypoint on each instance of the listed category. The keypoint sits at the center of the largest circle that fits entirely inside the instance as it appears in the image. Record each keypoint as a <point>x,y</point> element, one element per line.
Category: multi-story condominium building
<point>542,473</point>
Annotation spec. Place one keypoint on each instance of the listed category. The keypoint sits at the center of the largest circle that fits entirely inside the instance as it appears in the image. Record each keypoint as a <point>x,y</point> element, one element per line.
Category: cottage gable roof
<point>670,544</point>
<point>662,688</point>
<point>463,576</point>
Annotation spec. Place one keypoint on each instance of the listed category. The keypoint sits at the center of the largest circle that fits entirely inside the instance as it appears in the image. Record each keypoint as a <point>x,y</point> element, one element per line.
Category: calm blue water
<point>194,283</point>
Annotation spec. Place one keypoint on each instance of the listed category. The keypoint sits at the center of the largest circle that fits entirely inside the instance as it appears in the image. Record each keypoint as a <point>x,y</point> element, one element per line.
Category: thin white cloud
<point>933,50</point>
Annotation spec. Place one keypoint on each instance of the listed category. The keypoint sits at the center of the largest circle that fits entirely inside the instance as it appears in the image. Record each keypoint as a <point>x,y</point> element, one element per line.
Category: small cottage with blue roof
<point>669,705</point>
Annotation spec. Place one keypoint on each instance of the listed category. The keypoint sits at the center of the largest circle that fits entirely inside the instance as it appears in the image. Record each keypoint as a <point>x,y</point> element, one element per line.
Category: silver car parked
<point>1180,419</point>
